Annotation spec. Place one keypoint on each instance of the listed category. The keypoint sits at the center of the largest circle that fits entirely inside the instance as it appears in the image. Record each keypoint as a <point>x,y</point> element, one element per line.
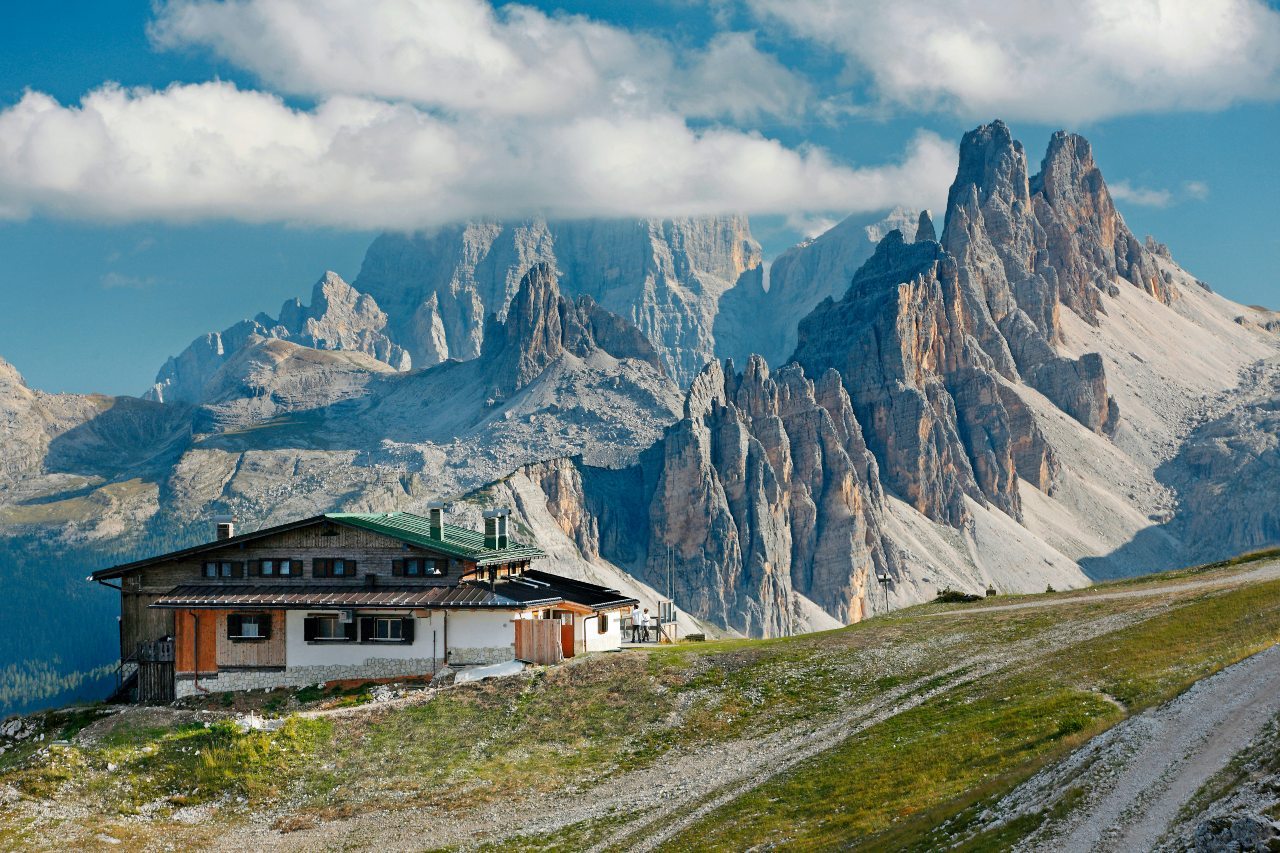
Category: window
<point>221,569</point>
<point>248,626</point>
<point>420,567</point>
<point>386,629</point>
<point>329,628</point>
<point>333,567</point>
<point>602,623</point>
<point>275,567</point>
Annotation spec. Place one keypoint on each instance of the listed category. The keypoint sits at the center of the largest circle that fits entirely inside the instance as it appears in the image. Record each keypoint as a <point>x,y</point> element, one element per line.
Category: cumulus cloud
<point>1125,192</point>
<point>1059,61</point>
<point>467,56</point>
<point>213,150</point>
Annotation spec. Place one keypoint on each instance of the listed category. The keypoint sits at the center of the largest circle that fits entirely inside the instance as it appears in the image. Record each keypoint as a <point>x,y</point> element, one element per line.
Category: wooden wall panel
<point>186,648</point>
<point>268,652</point>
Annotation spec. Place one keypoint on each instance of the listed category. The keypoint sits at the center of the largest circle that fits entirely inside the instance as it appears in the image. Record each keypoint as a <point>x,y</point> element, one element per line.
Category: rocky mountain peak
<point>992,162</point>
<point>925,232</point>
<point>542,325</point>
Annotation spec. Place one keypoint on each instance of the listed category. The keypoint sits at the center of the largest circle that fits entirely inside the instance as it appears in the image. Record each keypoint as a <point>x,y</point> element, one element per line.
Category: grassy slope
<point>571,728</point>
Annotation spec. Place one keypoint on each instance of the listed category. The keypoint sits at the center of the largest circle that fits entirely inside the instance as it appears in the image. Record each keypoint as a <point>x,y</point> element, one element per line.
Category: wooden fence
<point>155,671</point>
<point>538,641</point>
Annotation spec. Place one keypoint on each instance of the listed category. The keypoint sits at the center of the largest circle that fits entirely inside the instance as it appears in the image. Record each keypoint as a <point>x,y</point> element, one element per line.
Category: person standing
<point>635,623</point>
<point>644,626</point>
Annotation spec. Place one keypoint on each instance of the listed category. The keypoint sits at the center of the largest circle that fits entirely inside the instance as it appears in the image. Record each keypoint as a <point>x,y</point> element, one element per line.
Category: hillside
<point>884,733</point>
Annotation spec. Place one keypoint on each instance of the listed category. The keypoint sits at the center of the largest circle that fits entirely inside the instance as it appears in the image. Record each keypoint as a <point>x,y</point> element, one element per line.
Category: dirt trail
<point>1266,572</point>
<point>1138,775</point>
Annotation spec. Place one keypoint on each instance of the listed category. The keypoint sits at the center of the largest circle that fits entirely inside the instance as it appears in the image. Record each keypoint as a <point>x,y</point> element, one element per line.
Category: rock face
<point>1028,246</point>
<point>665,276</point>
<point>936,414</point>
<point>339,318</point>
<point>542,325</point>
<point>754,319</point>
<point>763,497</point>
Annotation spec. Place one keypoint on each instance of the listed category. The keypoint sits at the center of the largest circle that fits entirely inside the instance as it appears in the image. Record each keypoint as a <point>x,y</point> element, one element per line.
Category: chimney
<point>224,526</point>
<point>495,528</point>
<point>435,520</point>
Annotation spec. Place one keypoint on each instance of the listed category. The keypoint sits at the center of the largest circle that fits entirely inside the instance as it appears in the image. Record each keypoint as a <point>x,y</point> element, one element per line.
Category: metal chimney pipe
<point>224,526</point>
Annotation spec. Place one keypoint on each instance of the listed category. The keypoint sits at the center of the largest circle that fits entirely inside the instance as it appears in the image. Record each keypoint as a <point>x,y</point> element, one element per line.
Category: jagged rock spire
<point>925,232</point>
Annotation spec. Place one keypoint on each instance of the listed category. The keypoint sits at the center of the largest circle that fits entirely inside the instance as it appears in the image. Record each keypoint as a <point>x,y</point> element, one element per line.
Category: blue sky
<point>279,137</point>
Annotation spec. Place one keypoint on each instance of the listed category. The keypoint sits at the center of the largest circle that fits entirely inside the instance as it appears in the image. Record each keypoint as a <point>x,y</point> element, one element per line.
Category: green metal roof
<point>461,542</point>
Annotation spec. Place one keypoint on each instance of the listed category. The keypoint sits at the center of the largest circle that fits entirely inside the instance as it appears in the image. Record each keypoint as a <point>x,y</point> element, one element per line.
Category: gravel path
<point>1137,775</point>
<point>1266,572</point>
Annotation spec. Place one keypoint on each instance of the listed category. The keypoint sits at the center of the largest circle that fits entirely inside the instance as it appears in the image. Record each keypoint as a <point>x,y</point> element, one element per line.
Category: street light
<point>885,579</point>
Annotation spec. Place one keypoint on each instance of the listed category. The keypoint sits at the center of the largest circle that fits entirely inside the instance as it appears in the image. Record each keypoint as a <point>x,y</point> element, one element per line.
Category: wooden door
<point>196,641</point>
<point>566,639</point>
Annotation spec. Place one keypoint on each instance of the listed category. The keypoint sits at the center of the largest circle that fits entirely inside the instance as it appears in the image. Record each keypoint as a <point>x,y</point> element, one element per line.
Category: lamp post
<point>885,579</point>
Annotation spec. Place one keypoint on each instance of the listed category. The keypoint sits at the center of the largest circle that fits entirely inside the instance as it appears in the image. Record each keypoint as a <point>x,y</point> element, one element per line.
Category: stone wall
<point>462,656</point>
<point>301,676</point>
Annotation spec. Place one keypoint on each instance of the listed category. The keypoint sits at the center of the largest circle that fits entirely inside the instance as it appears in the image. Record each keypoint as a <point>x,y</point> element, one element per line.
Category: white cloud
<point>121,281</point>
<point>1197,190</point>
<point>1125,192</point>
<point>466,56</point>
<point>212,150</point>
<point>1060,61</point>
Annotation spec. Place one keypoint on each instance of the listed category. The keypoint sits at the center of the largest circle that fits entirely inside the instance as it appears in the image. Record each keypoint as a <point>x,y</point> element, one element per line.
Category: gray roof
<point>336,597</point>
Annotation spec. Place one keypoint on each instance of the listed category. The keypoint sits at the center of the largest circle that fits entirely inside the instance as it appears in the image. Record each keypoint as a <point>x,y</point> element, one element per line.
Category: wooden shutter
<point>350,630</point>
<point>349,568</point>
<point>366,629</point>
<point>233,624</point>
<point>264,625</point>
<point>442,567</point>
<point>397,568</point>
<point>321,568</point>
<point>255,568</point>
<point>237,570</point>
<point>309,628</point>
<point>406,630</point>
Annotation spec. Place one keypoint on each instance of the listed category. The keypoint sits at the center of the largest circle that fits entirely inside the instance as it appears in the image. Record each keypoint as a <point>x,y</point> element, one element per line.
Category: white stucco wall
<point>481,629</point>
<point>610,639</point>
<point>298,652</point>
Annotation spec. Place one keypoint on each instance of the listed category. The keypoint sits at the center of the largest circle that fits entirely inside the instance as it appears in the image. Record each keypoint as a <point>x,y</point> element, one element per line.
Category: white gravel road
<point>1139,774</point>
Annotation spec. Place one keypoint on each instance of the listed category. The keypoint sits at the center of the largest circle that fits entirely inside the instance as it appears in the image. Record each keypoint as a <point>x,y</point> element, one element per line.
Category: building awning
<point>337,597</point>
<point>588,595</point>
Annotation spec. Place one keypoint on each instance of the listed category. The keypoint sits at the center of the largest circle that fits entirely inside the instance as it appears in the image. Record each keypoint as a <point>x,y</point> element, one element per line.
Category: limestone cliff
<point>929,397</point>
<point>763,502</point>
<point>541,325</point>
<point>339,318</point>
<point>664,276</point>
<point>759,317</point>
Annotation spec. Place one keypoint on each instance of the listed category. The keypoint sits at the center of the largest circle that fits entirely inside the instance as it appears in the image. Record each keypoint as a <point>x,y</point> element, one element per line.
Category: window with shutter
<point>397,568</point>
<point>603,623</point>
<point>248,626</point>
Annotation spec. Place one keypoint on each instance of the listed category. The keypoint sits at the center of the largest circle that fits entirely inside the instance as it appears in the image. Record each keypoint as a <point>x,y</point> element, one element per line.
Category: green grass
<point>995,730</point>
<point>569,728</point>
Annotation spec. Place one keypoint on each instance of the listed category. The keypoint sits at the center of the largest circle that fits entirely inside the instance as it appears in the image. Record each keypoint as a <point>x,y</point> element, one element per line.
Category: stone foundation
<point>464,656</point>
<point>301,676</point>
